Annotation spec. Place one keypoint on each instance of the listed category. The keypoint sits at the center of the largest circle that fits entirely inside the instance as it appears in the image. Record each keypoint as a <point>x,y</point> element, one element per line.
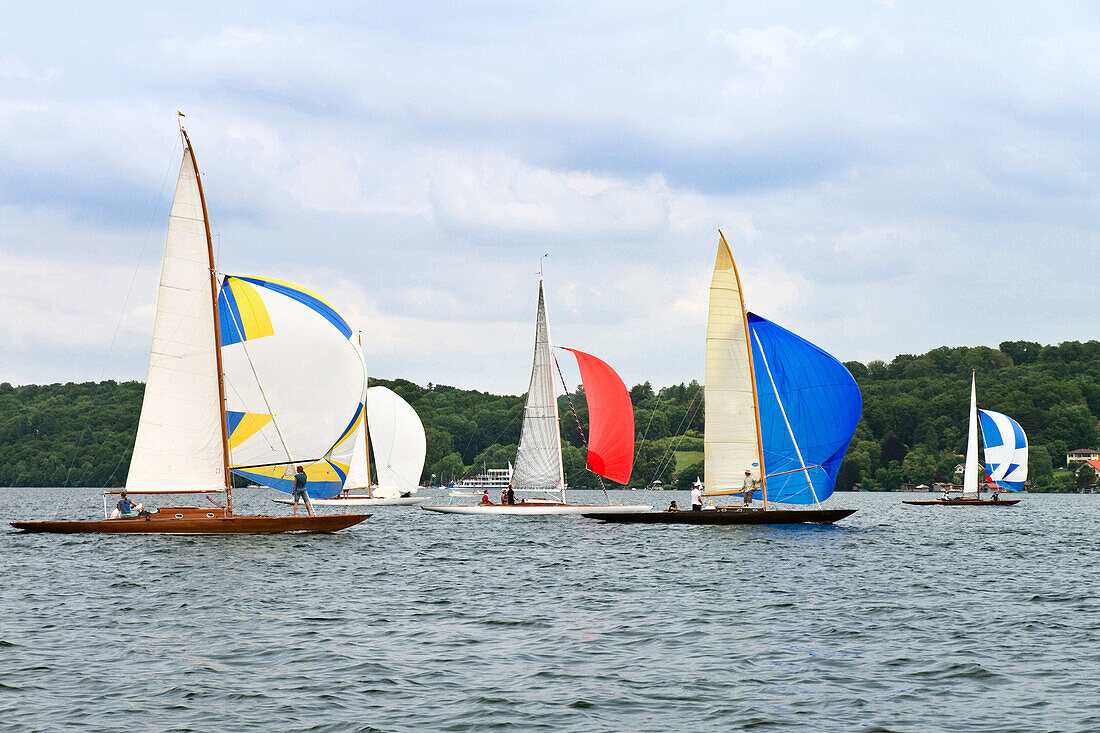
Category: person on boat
<point>672,507</point>
<point>996,495</point>
<point>697,497</point>
<point>946,495</point>
<point>300,481</point>
<point>510,495</point>
<point>748,486</point>
<point>504,495</point>
<point>485,497</point>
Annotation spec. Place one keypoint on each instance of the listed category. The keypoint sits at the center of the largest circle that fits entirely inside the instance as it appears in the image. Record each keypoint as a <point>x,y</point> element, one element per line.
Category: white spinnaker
<point>538,459</point>
<point>307,374</point>
<point>731,442</point>
<point>179,435</point>
<point>970,470</point>
<point>1009,459</point>
<point>397,436</point>
<point>357,471</point>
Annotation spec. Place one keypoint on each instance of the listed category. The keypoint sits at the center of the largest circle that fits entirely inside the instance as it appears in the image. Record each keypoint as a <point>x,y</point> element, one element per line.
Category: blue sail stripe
<point>306,299</point>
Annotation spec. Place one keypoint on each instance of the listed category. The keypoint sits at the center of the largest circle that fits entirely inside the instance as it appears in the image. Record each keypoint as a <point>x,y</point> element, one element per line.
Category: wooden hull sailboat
<point>1005,457</point>
<point>779,414</point>
<point>182,444</point>
<point>539,460</point>
<point>360,500</point>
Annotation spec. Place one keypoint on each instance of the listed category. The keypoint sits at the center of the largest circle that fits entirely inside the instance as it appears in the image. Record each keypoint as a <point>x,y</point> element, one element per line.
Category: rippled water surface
<point>899,618</point>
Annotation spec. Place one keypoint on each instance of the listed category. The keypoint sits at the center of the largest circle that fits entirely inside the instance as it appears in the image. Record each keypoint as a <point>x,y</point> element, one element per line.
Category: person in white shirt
<point>697,497</point>
<point>748,487</point>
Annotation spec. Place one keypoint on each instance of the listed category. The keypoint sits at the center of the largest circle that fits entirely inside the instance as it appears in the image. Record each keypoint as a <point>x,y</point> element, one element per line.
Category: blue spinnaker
<point>1005,449</point>
<point>822,406</point>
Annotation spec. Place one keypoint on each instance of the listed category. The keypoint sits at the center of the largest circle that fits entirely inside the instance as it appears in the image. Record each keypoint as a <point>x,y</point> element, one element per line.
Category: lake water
<point>897,619</point>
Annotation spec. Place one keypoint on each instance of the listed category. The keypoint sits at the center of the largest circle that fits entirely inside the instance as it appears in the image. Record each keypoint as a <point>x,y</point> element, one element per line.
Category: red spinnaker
<point>610,419</point>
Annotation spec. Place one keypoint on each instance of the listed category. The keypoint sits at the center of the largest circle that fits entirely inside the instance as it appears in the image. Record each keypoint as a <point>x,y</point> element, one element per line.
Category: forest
<point>913,427</point>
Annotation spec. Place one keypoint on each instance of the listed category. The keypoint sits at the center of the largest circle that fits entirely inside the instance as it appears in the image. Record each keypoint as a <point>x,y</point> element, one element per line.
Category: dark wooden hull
<point>199,525</point>
<point>729,516</point>
<point>961,502</point>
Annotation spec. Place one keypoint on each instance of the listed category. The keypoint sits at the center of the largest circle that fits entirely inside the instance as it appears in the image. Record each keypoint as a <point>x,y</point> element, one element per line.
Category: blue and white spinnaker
<point>1005,449</point>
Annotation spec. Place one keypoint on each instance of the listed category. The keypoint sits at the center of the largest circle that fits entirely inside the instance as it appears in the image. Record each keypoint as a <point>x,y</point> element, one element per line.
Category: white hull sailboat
<point>400,446</point>
<point>538,465</point>
<point>779,414</point>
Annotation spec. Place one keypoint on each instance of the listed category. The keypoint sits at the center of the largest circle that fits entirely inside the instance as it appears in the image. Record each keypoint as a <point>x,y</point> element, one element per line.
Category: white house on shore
<point>1081,455</point>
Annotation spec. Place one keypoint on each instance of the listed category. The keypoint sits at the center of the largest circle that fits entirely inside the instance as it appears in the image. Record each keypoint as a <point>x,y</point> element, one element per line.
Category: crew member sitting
<point>672,507</point>
<point>485,497</point>
<point>127,508</point>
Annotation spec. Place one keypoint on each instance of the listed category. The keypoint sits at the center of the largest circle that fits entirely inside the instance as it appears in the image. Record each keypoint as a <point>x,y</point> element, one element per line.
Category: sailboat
<point>1005,457</point>
<point>400,446</point>
<point>183,438</point>
<point>776,406</point>
<point>538,459</point>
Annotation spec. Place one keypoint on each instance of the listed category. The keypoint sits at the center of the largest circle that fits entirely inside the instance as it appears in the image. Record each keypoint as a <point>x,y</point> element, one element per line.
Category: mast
<point>366,436</point>
<point>752,371</point>
<point>217,326</point>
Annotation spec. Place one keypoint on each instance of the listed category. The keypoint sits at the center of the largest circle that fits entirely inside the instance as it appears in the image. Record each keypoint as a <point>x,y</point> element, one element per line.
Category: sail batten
<point>539,458</point>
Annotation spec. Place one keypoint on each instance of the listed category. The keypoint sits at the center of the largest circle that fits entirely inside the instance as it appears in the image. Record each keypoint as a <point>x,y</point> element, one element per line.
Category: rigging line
<point>584,439</point>
<point>652,413</point>
<point>670,453</point>
<point>260,386</point>
<point>122,313</point>
<point>783,411</point>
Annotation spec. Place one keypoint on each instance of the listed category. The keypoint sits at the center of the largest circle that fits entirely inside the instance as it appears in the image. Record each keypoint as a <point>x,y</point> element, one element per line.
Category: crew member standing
<point>300,481</point>
<point>747,488</point>
<point>697,497</point>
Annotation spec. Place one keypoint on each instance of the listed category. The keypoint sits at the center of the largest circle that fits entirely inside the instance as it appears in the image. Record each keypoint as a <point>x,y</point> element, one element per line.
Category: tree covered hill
<point>912,430</point>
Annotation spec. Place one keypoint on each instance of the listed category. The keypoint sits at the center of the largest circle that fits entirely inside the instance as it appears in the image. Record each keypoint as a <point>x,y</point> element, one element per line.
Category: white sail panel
<point>179,436</point>
<point>731,443</point>
<point>294,377</point>
<point>970,470</point>
<point>1005,449</point>
<point>397,436</point>
<point>538,459</point>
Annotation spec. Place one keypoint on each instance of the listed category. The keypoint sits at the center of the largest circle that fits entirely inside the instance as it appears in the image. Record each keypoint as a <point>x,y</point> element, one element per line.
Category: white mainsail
<point>970,471</point>
<point>538,459</point>
<point>731,443</point>
<point>179,436</point>
<point>399,442</point>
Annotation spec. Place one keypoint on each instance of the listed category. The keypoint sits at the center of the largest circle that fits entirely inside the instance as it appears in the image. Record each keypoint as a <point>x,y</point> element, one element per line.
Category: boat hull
<point>729,516</point>
<point>359,501</point>
<point>198,525</point>
<point>536,509</point>
<point>961,502</point>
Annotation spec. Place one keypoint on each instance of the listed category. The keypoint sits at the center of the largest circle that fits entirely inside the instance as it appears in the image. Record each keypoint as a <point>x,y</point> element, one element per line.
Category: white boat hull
<point>536,509</point>
<point>360,501</point>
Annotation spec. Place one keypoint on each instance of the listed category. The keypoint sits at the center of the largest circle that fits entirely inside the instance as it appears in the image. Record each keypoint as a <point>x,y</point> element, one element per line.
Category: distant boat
<point>775,405</point>
<point>183,440</point>
<point>1005,457</point>
<point>400,446</point>
<point>493,480</point>
<point>538,458</point>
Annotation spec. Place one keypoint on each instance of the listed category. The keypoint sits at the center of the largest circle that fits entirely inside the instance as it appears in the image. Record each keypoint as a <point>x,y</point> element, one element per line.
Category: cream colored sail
<point>732,439</point>
<point>179,436</point>
<point>970,470</point>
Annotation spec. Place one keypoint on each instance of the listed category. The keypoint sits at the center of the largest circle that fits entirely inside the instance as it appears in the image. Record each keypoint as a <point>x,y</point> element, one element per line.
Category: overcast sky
<point>891,176</point>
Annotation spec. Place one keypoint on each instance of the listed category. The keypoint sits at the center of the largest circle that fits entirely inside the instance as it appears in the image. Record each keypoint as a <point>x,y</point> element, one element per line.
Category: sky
<point>891,176</point>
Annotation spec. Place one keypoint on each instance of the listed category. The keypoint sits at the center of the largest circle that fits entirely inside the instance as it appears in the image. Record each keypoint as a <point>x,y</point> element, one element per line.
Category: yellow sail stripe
<point>254,316</point>
<point>249,425</point>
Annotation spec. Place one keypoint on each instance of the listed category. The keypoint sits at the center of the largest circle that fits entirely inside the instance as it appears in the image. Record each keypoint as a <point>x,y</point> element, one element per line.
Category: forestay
<point>610,419</point>
<point>179,435</point>
<point>809,408</point>
<point>538,458</point>
<point>398,439</point>
<point>294,384</point>
<point>1005,449</point>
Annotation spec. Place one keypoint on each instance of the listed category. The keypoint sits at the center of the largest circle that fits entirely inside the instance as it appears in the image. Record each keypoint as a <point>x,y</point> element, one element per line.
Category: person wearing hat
<point>747,487</point>
<point>300,480</point>
<point>697,496</point>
